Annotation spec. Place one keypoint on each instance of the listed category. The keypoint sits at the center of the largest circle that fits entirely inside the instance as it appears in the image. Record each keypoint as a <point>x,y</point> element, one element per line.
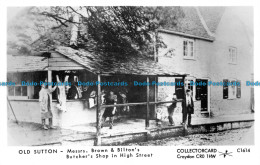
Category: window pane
<point>185,53</point>
<point>185,48</point>
<point>235,56</point>
<point>24,90</point>
<point>18,91</point>
<point>230,55</point>
<point>190,50</point>
<point>10,91</point>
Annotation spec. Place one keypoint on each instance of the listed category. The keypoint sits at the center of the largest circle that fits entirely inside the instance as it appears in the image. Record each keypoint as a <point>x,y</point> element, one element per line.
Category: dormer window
<point>188,49</point>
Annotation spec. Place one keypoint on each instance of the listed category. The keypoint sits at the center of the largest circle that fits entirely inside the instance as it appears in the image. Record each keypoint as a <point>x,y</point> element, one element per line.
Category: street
<point>231,137</point>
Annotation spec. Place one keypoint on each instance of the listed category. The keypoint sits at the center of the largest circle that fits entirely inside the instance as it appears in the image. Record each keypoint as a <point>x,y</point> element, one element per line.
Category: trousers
<point>187,114</point>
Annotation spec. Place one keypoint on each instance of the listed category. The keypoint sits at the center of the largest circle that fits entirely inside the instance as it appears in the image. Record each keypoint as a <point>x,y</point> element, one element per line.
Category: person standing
<point>73,92</point>
<point>187,108</point>
<point>110,111</point>
<point>159,116</point>
<point>171,107</point>
<point>45,100</point>
<point>123,100</point>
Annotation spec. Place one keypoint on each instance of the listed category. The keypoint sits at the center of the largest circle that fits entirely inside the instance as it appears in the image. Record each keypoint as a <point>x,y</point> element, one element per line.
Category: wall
<point>211,62</point>
<point>77,113</point>
<point>58,61</point>
<point>196,68</point>
<point>231,32</point>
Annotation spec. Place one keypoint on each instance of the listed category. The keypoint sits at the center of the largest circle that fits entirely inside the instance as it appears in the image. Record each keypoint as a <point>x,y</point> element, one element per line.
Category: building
<point>203,47</point>
<point>212,44</point>
<point>82,66</point>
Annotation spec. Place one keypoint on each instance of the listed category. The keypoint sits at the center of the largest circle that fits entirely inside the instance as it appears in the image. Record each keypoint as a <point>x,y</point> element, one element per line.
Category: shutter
<point>198,90</point>
<point>239,89</point>
<point>225,89</point>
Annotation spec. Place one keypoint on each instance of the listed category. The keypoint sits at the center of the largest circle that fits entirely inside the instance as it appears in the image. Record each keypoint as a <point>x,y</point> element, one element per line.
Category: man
<point>123,100</point>
<point>73,92</point>
<point>45,100</point>
<point>187,108</point>
<point>171,107</point>
<point>110,111</point>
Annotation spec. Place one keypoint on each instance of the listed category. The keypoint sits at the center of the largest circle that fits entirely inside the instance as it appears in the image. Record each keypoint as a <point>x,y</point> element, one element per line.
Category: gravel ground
<point>231,137</point>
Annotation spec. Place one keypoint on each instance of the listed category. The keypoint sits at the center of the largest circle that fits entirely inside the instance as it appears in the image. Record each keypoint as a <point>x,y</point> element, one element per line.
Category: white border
<point>8,155</point>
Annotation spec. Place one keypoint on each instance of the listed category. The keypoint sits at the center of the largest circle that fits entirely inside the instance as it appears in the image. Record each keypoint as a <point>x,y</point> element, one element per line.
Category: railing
<point>141,103</point>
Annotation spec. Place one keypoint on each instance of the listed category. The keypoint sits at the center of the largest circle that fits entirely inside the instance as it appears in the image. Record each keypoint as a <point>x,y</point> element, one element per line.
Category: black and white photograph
<point>130,75</point>
<point>129,82</point>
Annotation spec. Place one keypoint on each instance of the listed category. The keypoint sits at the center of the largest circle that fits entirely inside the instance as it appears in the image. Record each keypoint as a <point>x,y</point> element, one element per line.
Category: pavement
<point>31,134</point>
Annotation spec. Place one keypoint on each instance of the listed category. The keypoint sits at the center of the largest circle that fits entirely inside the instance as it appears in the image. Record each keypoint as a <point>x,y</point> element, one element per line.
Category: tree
<point>123,30</point>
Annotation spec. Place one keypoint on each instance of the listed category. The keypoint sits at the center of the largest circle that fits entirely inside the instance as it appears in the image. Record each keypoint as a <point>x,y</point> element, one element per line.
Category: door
<point>179,90</point>
<point>204,96</point>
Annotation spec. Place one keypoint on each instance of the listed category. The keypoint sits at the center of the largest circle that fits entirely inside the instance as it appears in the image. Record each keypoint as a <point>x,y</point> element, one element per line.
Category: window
<point>231,89</point>
<point>188,49</point>
<point>232,55</point>
<point>17,90</point>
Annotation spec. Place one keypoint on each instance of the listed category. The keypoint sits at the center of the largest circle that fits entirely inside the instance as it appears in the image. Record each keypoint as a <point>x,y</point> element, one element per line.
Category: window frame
<point>189,52</point>
<point>232,88</point>
<point>14,93</point>
<point>231,58</point>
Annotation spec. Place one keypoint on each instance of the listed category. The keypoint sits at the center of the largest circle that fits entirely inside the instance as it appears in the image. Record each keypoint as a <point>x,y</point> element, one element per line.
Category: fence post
<point>98,114</point>
<point>148,106</point>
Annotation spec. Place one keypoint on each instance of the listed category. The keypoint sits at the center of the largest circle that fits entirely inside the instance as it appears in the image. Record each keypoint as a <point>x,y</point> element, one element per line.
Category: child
<point>159,116</point>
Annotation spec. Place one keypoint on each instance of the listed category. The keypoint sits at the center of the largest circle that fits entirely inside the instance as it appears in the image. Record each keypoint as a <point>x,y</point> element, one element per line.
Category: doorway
<point>204,96</point>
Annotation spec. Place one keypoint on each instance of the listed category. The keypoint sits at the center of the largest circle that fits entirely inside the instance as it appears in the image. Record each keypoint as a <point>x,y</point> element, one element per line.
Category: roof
<point>110,64</point>
<point>212,16</point>
<point>192,24</point>
<point>26,63</point>
<point>114,65</point>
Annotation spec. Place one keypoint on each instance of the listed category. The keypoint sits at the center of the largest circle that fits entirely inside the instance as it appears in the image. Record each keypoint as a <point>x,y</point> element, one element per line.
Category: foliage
<point>123,30</point>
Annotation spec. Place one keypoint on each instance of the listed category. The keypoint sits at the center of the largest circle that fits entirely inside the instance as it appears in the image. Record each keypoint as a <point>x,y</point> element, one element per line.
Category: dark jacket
<point>72,93</point>
<point>184,107</point>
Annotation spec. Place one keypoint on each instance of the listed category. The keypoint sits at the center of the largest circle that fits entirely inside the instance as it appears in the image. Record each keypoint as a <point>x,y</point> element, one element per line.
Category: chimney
<point>74,31</point>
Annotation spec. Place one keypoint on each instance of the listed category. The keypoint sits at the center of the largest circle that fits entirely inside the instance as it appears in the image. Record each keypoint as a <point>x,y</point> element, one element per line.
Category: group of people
<point>45,99</point>
<point>187,109</point>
